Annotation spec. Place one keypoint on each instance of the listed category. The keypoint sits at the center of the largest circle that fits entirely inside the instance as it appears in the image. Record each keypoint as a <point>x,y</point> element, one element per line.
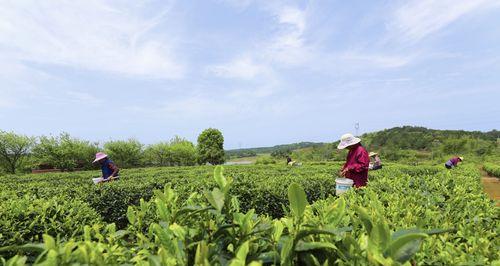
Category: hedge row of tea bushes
<point>447,199</point>
<point>384,224</point>
<point>260,188</point>
<point>492,169</point>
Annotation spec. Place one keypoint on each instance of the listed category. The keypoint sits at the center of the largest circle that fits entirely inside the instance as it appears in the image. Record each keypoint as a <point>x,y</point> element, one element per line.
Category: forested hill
<point>395,141</point>
<point>421,138</point>
<point>285,147</point>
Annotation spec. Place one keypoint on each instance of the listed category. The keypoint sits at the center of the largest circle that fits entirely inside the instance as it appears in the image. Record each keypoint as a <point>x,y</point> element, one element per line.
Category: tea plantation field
<point>241,215</point>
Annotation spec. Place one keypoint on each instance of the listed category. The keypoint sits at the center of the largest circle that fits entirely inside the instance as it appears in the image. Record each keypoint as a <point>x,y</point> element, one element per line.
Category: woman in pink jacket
<point>357,162</point>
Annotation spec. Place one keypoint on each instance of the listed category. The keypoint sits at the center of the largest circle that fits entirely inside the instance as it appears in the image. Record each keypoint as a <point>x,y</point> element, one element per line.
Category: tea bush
<point>407,215</point>
<point>26,219</point>
<point>262,188</point>
<point>492,169</point>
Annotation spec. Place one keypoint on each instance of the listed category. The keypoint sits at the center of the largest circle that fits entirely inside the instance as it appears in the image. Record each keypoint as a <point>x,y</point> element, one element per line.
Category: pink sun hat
<point>100,156</point>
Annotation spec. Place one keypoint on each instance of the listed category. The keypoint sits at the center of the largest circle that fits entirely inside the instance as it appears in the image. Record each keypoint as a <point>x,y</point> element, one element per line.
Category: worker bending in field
<point>357,162</point>
<point>376,163</point>
<point>453,162</point>
<point>109,169</point>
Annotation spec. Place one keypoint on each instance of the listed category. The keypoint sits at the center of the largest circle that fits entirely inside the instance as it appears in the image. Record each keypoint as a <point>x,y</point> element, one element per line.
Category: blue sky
<point>263,72</point>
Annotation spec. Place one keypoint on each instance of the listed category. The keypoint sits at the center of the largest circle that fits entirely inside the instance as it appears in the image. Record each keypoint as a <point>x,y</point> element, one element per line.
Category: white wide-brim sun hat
<point>347,140</point>
<point>99,156</point>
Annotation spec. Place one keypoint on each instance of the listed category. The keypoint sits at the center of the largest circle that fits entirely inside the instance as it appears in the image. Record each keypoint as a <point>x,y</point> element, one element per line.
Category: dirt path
<point>491,186</point>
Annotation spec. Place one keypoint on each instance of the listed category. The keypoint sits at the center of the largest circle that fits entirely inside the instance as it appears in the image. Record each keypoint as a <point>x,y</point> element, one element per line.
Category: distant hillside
<point>285,147</point>
<point>398,143</point>
<point>421,138</point>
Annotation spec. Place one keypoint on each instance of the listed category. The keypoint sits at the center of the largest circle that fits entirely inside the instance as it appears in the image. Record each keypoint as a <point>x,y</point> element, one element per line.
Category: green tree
<point>158,154</point>
<point>64,152</point>
<point>176,152</point>
<point>281,153</point>
<point>125,153</point>
<point>14,149</point>
<point>183,151</point>
<point>211,147</point>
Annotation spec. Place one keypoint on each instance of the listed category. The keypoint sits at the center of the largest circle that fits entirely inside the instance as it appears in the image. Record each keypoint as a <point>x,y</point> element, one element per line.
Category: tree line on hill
<point>249,152</point>
<point>408,143</point>
<point>21,153</point>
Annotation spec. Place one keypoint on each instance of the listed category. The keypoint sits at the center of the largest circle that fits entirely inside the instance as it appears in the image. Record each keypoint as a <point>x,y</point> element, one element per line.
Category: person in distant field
<point>377,163</point>
<point>357,161</point>
<point>453,162</point>
<point>109,169</point>
<point>288,160</point>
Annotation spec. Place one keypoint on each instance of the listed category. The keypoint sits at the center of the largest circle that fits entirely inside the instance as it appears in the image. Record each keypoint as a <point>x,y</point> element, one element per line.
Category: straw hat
<point>99,156</point>
<point>347,140</point>
<point>461,158</point>
<point>372,154</point>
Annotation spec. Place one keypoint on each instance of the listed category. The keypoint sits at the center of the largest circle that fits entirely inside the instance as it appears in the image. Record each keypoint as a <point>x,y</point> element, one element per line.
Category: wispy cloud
<point>288,47</point>
<point>417,19</point>
<point>241,68</point>
<point>352,58</point>
<point>284,48</point>
<point>89,35</point>
<point>83,98</point>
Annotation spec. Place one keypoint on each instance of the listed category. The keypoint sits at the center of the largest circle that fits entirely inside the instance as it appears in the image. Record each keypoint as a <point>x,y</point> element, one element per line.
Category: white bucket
<point>342,185</point>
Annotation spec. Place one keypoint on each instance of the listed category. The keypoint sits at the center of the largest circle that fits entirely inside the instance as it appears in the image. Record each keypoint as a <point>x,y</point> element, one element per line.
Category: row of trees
<point>20,152</point>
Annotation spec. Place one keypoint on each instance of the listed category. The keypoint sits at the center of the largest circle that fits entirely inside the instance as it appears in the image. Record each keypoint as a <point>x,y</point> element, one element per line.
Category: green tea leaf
<point>308,246</point>
<point>298,200</point>
<point>219,177</point>
<point>216,199</point>
<point>404,247</point>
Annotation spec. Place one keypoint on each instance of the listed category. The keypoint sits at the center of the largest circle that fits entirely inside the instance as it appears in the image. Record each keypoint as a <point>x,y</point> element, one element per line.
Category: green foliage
<point>14,149</point>
<point>158,154</point>
<point>492,169</point>
<point>324,152</point>
<point>281,153</point>
<point>64,152</point>
<point>125,153</point>
<point>434,198</point>
<point>211,147</point>
<point>238,153</point>
<point>213,231</point>
<point>177,152</point>
<point>26,219</point>
<point>420,138</point>
<point>407,215</point>
<point>183,152</point>
<point>266,160</point>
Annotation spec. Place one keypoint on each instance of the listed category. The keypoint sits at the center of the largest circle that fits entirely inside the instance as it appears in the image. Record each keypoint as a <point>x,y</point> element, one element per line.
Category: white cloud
<point>240,68</point>
<point>374,60</point>
<point>294,17</point>
<point>241,4</point>
<point>89,35</point>
<point>419,18</point>
<point>83,97</point>
<point>288,47</point>
<point>285,48</point>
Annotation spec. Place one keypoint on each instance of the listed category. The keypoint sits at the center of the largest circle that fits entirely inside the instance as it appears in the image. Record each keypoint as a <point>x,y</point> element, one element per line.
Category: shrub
<point>26,219</point>
<point>64,152</point>
<point>125,153</point>
<point>265,160</point>
<point>492,169</point>
<point>159,154</point>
